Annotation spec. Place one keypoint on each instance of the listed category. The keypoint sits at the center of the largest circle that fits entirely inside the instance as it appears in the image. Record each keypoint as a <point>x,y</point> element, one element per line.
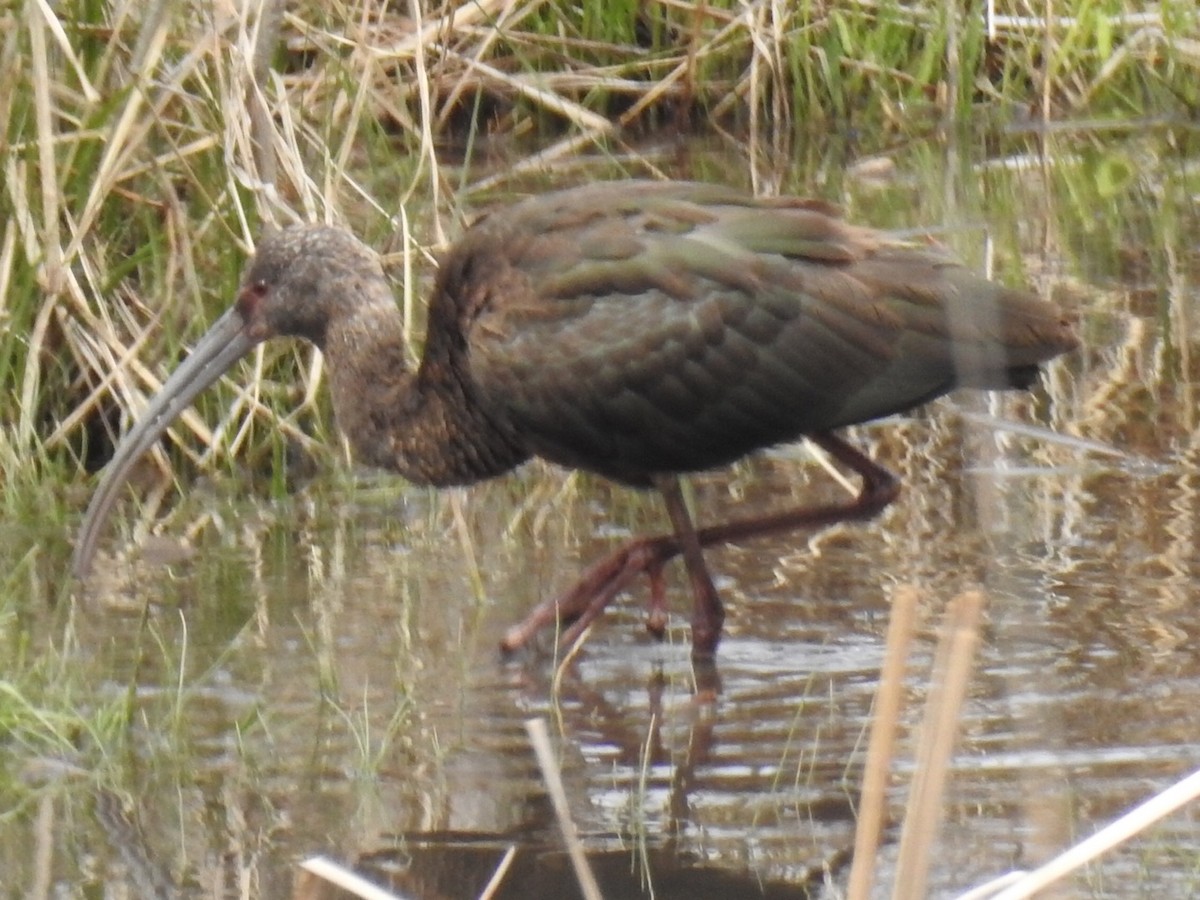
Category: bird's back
<point>639,327</point>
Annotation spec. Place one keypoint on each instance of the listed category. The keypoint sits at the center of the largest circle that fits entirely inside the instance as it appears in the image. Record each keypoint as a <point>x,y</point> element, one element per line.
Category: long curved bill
<point>222,345</point>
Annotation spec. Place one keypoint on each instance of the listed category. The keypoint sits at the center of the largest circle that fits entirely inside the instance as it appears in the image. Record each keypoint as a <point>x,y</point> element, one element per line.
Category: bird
<point>638,330</point>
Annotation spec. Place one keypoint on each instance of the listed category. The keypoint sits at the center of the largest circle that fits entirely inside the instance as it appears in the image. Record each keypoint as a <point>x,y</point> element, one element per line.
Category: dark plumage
<point>638,330</point>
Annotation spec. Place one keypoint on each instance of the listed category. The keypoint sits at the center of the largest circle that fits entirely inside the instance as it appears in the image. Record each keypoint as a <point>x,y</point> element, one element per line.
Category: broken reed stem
<point>540,739</point>
<point>497,878</point>
<point>939,732</point>
<point>344,879</point>
<point>1127,826</point>
<point>266,40</point>
<point>881,744</point>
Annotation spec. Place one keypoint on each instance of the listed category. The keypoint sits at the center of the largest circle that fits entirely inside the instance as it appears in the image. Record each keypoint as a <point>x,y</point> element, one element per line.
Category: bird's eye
<point>250,297</point>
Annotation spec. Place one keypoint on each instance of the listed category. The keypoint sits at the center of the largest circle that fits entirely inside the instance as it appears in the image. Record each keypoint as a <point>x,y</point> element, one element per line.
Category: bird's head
<point>300,278</point>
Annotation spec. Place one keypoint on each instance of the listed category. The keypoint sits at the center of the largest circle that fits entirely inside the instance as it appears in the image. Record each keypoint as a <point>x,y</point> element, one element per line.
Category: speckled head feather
<point>304,275</point>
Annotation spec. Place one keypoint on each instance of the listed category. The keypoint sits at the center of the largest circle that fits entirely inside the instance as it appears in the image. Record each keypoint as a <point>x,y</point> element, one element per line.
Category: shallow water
<point>341,693</point>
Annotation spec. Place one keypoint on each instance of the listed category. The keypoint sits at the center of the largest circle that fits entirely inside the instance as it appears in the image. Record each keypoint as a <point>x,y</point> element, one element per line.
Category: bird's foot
<point>656,606</point>
<point>591,594</point>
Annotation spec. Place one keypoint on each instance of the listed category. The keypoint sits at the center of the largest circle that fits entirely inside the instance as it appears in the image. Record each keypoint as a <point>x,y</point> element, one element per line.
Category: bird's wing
<point>663,331</point>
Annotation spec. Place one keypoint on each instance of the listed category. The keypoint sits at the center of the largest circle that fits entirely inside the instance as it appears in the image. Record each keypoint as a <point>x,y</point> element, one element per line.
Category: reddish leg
<point>708,614</point>
<point>605,579</point>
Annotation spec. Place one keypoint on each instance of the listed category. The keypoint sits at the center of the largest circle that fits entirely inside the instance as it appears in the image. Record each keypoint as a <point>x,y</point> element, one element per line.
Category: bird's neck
<point>425,424</point>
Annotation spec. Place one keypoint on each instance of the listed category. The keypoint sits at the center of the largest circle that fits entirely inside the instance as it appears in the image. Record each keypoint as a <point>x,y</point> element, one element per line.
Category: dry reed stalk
<point>463,15</point>
<point>577,115</point>
<point>8,253</point>
<point>497,879</point>
<point>489,37</point>
<point>1112,835</point>
<point>105,352</point>
<point>952,665</point>
<point>686,68</point>
<point>467,544</point>
<point>131,128</point>
<point>536,162</point>
<point>50,274</point>
<point>1048,21</point>
<point>90,94</point>
<point>343,879</point>
<point>562,668</point>
<point>427,154</point>
<point>885,721</point>
<point>540,739</point>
